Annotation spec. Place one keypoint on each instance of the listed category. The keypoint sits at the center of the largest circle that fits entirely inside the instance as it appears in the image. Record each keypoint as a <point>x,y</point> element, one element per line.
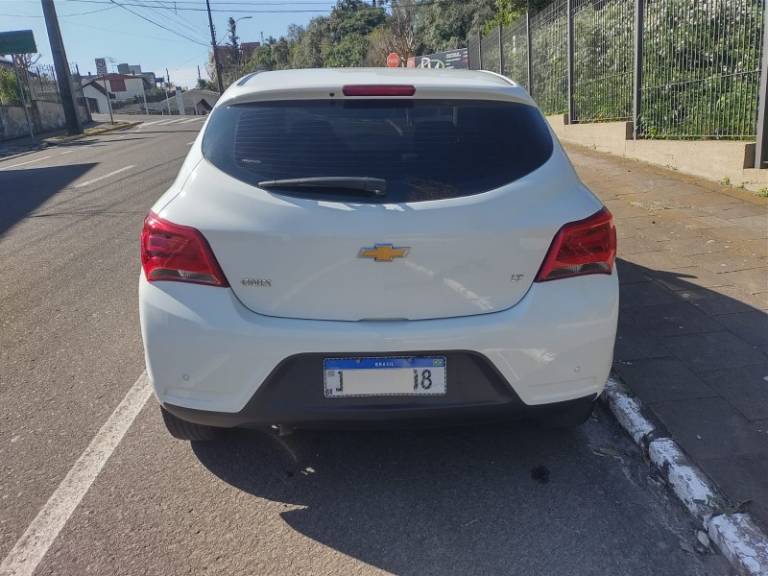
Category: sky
<point>100,28</point>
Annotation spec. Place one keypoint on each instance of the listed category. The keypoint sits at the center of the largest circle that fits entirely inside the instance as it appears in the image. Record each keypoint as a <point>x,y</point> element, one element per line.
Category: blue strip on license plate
<point>383,363</point>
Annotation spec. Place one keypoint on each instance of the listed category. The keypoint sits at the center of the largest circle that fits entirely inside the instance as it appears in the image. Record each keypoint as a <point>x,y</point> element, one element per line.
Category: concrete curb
<point>94,132</point>
<point>735,534</point>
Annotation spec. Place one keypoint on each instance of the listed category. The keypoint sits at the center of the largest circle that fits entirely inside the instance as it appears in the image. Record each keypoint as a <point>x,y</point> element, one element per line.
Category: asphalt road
<point>491,500</point>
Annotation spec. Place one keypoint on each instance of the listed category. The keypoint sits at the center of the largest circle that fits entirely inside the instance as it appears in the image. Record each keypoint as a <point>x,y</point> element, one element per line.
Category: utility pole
<point>216,63</point>
<point>62,68</point>
<point>167,96</point>
<point>144,95</point>
<point>109,100</point>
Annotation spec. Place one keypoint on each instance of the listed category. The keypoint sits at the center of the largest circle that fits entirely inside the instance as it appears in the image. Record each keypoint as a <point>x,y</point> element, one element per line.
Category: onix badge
<point>384,252</point>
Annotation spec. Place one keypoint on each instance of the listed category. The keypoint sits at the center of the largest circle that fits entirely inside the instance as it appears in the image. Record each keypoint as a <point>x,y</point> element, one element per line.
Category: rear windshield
<point>423,149</point>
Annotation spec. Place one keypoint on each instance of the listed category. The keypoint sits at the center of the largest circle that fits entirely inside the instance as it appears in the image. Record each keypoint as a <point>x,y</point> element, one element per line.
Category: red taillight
<point>584,247</point>
<point>378,90</point>
<point>177,253</point>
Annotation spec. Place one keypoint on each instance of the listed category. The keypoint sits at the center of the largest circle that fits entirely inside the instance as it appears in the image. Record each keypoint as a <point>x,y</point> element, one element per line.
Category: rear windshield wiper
<point>373,186</point>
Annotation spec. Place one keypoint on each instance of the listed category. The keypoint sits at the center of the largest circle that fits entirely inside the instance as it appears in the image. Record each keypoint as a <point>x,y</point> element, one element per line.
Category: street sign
<point>17,42</point>
<point>393,60</point>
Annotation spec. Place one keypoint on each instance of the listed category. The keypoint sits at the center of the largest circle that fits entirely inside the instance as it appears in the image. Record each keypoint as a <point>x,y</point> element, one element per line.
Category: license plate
<point>400,376</point>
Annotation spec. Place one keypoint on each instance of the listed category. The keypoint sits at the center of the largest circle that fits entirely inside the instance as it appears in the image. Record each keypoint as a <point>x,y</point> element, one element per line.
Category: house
<point>121,87</point>
<point>135,70</point>
<point>96,96</point>
<point>196,102</point>
<point>199,101</point>
<point>118,87</point>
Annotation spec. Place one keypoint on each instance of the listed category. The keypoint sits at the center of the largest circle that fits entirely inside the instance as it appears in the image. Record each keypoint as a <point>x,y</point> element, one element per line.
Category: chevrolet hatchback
<point>367,246</point>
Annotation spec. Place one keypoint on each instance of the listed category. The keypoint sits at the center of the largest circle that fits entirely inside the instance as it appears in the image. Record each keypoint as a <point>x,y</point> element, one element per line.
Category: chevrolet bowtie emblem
<point>384,252</point>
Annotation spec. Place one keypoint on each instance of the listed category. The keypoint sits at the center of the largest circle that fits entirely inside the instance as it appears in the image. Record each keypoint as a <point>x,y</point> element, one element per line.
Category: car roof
<point>316,81</point>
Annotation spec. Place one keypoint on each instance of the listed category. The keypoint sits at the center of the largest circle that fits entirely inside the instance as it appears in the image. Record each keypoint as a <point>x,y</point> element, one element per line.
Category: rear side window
<point>423,149</point>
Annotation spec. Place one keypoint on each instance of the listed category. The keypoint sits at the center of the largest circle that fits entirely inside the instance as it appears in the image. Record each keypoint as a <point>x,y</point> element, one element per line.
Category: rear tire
<point>183,430</point>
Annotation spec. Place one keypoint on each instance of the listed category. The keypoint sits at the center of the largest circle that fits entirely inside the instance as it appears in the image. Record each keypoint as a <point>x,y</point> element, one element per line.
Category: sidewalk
<point>693,325</point>
<point>57,137</point>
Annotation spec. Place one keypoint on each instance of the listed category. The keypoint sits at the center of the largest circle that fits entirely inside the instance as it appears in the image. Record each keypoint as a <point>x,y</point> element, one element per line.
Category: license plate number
<point>393,376</point>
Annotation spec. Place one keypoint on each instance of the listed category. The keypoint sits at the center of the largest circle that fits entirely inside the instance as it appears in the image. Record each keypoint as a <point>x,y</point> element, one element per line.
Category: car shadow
<point>23,190</point>
<point>409,502</point>
<point>493,499</point>
<point>513,498</point>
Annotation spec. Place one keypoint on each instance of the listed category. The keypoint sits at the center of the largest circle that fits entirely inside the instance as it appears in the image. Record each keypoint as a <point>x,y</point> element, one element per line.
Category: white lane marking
<point>150,123</point>
<point>66,152</point>
<point>30,549</point>
<point>100,178</point>
<point>176,121</point>
<point>190,143</point>
<point>24,163</point>
<point>196,119</point>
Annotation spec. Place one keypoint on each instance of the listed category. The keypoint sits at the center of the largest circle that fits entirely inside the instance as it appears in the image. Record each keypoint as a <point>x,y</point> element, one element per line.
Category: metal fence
<point>701,68</point>
<point>23,84</point>
<point>41,84</point>
<point>602,56</point>
<point>549,61</point>
<point>514,41</point>
<point>691,69</point>
<point>33,92</point>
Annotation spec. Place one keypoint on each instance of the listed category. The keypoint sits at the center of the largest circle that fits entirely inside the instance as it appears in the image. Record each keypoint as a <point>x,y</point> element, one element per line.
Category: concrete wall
<point>13,123</point>
<point>717,160</point>
<point>45,116</point>
<point>49,116</point>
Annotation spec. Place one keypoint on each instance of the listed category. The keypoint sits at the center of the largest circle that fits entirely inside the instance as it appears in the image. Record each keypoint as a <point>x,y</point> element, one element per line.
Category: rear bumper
<point>206,353</point>
<point>291,396</point>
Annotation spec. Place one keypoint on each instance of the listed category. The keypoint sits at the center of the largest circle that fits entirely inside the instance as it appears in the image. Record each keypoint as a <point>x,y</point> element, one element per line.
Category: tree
<point>354,17</point>
<point>397,34</point>
<point>349,51</point>
<point>402,28</point>
<point>507,11</point>
<point>9,90</point>
<point>261,59</point>
<point>232,35</point>
<point>307,52</point>
<point>281,53</point>
<point>446,24</point>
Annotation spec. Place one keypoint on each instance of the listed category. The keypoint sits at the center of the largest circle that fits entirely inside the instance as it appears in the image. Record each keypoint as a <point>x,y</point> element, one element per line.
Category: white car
<point>361,246</point>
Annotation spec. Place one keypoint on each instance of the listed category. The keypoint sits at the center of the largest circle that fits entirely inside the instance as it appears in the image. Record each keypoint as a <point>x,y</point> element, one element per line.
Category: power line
<point>138,4</point>
<point>60,15</point>
<point>87,12</point>
<point>176,19</point>
<point>195,8</point>
<point>122,32</point>
<point>241,2</point>
<point>171,30</point>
